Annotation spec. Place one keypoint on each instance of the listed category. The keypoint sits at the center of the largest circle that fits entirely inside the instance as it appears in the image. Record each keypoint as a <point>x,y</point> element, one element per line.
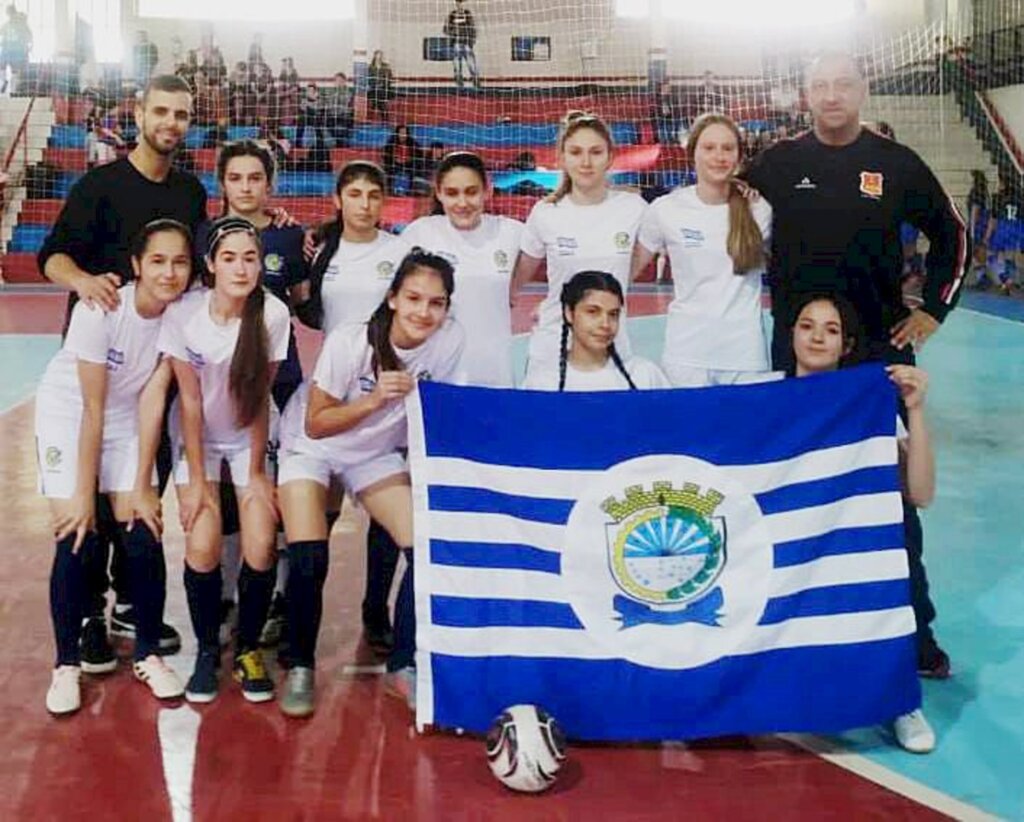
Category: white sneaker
<point>65,694</point>
<point>162,681</point>
<point>913,733</point>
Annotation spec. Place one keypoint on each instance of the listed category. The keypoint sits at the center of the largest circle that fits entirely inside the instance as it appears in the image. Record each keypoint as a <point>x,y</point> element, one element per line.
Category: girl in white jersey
<point>350,276</point>
<point>715,240</point>
<point>88,429</point>
<point>483,249</point>
<point>583,225</point>
<point>225,343</point>
<point>589,361</point>
<point>354,266</point>
<point>353,427</point>
<point>824,339</point>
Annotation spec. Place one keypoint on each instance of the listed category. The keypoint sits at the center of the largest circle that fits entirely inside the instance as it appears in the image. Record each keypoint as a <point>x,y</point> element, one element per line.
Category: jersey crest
<point>273,263</point>
<point>871,183</point>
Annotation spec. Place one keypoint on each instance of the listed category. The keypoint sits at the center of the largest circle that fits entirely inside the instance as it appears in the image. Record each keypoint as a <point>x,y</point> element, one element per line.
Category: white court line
<point>889,779</point>
<point>364,670</point>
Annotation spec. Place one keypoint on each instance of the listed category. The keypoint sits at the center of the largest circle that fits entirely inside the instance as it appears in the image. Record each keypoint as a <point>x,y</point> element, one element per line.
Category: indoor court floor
<point>123,756</point>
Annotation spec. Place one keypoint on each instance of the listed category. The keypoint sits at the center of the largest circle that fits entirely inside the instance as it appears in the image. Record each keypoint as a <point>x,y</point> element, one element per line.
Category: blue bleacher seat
<point>504,180</point>
<point>65,136</point>
<point>28,238</point>
<point>243,132</point>
<point>304,183</point>
<point>196,136</point>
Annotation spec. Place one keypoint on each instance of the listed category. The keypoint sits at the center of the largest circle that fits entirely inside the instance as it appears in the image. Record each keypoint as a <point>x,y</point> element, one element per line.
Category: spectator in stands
<point>189,70</point>
<point>280,146</point>
<point>311,115</point>
<point>337,106</point>
<point>213,65</point>
<point>1003,242</point>
<point>144,59</point>
<point>461,28</point>
<point>665,114</point>
<point>289,77</point>
<point>402,158</point>
<point>102,143</point>
<point>217,134</point>
<point>15,47</point>
<point>380,87</point>
<point>978,204</point>
<point>239,95</point>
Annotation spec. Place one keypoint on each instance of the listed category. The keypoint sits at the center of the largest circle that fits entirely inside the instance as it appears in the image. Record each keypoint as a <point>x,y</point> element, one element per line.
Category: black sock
<point>147,585</point>
<point>404,653</point>
<point>381,562</point>
<point>203,591</point>
<point>68,594</point>
<point>255,591</point>
<point>304,596</point>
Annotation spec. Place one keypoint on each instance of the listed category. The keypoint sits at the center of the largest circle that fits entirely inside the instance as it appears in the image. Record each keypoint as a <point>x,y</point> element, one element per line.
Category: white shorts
<point>300,465</point>
<point>57,458</point>
<point>693,376</point>
<point>236,454</point>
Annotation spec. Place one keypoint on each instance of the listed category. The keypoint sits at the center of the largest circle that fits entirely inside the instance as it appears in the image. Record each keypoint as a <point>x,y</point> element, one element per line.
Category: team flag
<point>663,564</point>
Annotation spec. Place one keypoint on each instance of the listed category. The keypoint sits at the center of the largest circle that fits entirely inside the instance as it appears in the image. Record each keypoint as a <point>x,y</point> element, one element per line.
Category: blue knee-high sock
<point>202,588</point>
<point>304,599</point>
<point>381,562</point>
<point>68,595</point>
<point>404,653</point>
<point>255,592</point>
<point>147,585</point>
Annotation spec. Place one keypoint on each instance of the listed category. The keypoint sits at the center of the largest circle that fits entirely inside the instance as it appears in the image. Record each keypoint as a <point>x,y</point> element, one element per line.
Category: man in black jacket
<point>839,194</point>
<point>461,28</point>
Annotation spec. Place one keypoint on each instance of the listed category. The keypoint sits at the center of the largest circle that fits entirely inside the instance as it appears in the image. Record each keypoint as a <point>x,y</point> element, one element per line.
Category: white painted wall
<point>1009,102</point>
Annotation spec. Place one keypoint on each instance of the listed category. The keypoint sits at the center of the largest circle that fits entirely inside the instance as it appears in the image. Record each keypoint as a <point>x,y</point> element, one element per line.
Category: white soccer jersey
<point>357,278</point>
<point>122,340</point>
<point>575,238</point>
<point>644,374</point>
<point>344,371</point>
<point>188,333</point>
<point>483,259</point>
<point>714,320</point>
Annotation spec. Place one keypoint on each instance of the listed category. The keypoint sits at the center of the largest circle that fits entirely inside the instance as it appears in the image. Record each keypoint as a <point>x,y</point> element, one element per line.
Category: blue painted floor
<point>974,546</point>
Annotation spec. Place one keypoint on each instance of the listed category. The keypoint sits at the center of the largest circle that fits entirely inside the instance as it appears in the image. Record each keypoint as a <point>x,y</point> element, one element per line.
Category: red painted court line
<point>357,758</point>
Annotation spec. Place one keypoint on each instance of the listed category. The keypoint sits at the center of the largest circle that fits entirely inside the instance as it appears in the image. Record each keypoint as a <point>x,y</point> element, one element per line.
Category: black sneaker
<point>932,661</point>
<point>97,657</point>
<point>202,685</point>
<point>380,637</point>
<point>274,627</point>
<point>251,673</point>
<point>122,625</point>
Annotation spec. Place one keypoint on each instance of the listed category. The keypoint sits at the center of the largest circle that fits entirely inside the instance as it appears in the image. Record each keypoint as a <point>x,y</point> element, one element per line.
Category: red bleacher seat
<point>21,268</point>
<point>68,159</point>
<point>519,109</point>
<point>40,212</point>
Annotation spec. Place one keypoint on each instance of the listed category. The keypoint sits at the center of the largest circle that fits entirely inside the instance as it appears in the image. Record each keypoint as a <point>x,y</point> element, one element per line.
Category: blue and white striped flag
<point>663,564</point>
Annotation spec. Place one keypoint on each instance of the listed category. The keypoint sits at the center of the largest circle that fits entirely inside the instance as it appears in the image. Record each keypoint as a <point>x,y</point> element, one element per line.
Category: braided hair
<point>574,291</point>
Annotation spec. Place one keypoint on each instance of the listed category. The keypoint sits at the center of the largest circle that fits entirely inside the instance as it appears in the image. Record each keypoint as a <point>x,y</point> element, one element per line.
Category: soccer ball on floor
<point>525,748</point>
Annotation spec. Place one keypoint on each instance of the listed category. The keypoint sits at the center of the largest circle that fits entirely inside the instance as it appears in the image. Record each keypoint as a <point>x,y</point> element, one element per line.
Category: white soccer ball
<point>525,748</point>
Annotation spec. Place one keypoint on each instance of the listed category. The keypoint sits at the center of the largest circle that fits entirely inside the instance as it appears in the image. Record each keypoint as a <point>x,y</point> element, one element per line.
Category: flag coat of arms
<point>663,564</point>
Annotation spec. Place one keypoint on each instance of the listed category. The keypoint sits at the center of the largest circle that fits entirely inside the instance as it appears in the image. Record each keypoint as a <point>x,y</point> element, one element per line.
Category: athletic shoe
<point>402,684</point>
<point>202,685</point>
<point>228,621</point>
<point>65,694</point>
<point>97,657</point>
<point>251,673</point>
<point>297,700</point>
<point>122,625</point>
<point>274,627</point>
<point>933,662</point>
<point>162,681</point>
<point>913,733</point>
<point>381,638</point>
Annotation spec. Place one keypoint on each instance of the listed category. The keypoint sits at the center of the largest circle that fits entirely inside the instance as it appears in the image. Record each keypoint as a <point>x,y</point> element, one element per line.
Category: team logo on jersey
<point>367,384</point>
<point>692,238</point>
<point>806,184</point>
<point>622,241</point>
<point>273,263</point>
<point>666,551</point>
<point>871,184</point>
<point>500,259</point>
<point>385,269</point>
<point>195,358</point>
<point>566,246</point>
<point>115,359</point>
<point>52,456</point>
<point>330,273</point>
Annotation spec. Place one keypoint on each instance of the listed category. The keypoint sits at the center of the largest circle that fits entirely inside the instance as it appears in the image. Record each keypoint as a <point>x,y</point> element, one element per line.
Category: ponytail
<point>745,243</point>
<point>249,377</point>
<point>563,357</point>
<point>614,354</point>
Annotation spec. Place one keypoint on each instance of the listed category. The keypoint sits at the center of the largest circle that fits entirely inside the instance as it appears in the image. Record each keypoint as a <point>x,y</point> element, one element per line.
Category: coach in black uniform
<point>88,253</point>
<point>839,194</point>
